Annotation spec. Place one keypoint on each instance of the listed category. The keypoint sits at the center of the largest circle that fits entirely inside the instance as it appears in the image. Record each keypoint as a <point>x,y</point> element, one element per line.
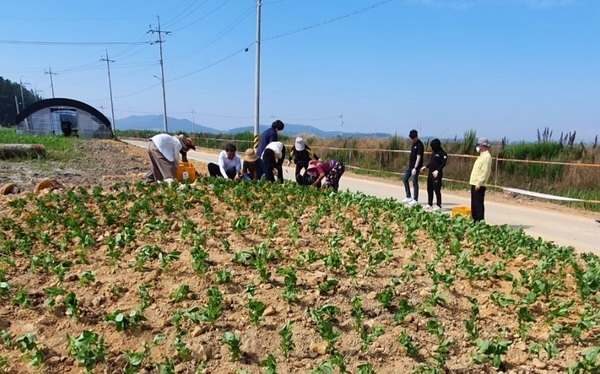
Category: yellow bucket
<point>186,171</point>
<point>461,210</point>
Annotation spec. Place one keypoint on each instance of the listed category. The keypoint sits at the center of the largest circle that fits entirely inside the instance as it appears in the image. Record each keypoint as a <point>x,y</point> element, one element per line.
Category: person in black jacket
<point>301,154</point>
<point>436,164</point>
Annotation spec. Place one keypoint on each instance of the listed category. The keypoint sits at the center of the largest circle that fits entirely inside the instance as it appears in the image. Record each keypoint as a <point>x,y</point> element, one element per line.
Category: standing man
<point>164,150</point>
<point>414,166</point>
<point>268,136</point>
<point>479,176</point>
<point>229,163</point>
<point>436,164</point>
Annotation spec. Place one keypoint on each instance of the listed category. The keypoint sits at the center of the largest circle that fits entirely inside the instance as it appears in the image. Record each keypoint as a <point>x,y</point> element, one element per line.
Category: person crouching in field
<point>434,177</point>
<point>164,151</point>
<point>301,154</point>
<point>252,167</point>
<point>273,157</point>
<point>228,164</point>
<point>332,171</point>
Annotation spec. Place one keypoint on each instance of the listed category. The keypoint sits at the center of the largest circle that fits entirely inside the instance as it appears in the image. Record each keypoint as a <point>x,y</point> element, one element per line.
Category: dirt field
<point>112,278</point>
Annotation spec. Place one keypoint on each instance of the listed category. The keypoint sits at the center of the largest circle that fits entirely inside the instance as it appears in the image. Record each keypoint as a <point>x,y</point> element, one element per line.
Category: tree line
<point>8,107</point>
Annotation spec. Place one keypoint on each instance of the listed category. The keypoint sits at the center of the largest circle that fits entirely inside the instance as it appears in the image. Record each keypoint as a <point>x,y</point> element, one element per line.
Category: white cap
<point>299,144</point>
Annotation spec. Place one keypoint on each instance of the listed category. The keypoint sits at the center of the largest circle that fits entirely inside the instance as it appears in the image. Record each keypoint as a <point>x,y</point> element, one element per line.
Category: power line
<point>373,6</point>
<point>25,42</point>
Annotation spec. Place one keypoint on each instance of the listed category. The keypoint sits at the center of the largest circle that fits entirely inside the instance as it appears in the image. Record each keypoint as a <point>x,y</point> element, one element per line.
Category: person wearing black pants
<point>273,157</point>
<point>434,177</point>
<point>479,175</point>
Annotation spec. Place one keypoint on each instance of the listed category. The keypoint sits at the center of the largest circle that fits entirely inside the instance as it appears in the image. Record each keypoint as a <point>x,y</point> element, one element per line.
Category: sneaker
<point>427,207</point>
<point>407,200</point>
<point>413,202</point>
<point>436,208</point>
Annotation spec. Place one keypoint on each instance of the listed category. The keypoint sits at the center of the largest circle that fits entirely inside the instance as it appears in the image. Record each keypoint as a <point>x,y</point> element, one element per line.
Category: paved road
<point>561,228</point>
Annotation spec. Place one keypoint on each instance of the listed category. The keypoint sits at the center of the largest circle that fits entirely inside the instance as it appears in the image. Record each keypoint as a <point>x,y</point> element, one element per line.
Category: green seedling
<point>87,349</point>
<point>27,343</point>
<point>223,276</point>
<point>87,277</point>
<point>181,293</point>
<point>200,262</point>
<point>234,344</point>
<point>256,309</point>
<point>286,344</point>
<point>411,348</point>
<point>71,305</point>
<point>490,351</point>
<point>369,339</point>
<point>289,280</point>
<point>270,363</point>
<point>357,313</point>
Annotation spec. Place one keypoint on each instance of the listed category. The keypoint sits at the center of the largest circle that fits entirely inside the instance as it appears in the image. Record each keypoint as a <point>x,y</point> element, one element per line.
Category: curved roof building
<point>61,116</point>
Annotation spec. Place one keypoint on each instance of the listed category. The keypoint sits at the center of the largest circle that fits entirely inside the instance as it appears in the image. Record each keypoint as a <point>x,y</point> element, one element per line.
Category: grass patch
<point>58,148</point>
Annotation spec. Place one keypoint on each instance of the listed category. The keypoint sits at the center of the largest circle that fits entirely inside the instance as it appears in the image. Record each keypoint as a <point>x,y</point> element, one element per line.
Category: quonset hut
<point>60,116</point>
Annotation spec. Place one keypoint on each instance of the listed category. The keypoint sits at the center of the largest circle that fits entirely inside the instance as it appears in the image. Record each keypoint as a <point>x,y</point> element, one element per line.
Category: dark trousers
<point>215,171</point>
<point>415,180</point>
<point>272,164</point>
<point>300,172</point>
<point>434,185</point>
<point>477,207</point>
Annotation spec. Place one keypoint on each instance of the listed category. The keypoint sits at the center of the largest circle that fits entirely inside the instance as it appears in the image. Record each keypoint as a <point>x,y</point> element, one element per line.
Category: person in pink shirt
<point>330,171</point>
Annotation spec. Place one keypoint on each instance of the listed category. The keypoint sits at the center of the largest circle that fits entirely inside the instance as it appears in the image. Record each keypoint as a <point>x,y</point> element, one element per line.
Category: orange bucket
<point>186,171</point>
<point>461,210</point>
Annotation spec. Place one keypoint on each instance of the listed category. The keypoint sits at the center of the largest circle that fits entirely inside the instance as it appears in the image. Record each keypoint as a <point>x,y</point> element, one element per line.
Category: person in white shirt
<point>228,165</point>
<point>164,151</point>
<point>273,157</point>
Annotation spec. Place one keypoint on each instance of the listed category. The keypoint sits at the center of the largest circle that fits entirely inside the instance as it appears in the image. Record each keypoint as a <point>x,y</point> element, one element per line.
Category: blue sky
<point>504,68</point>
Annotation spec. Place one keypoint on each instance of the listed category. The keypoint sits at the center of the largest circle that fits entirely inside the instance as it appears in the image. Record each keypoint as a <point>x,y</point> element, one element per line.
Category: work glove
<point>435,173</point>
<point>413,172</point>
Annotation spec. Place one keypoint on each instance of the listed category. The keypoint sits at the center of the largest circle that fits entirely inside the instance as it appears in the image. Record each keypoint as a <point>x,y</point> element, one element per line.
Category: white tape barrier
<point>540,195</point>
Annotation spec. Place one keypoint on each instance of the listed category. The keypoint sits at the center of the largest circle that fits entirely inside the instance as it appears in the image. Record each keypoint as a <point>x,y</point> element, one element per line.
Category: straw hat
<point>250,155</point>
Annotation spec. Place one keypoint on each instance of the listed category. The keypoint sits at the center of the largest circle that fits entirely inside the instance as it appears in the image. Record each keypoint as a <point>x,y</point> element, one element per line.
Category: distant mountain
<point>155,122</point>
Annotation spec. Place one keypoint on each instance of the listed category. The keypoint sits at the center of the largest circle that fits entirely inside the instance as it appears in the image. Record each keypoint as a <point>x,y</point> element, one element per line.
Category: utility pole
<point>112,109</point>
<point>257,77</point>
<point>342,126</point>
<point>193,123</point>
<point>22,99</point>
<point>162,68</point>
<point>51,82</point>
<point>38,95</point>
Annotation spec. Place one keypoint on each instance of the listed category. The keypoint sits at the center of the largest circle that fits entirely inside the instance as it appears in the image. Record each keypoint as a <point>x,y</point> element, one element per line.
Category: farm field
<point>110,275</point>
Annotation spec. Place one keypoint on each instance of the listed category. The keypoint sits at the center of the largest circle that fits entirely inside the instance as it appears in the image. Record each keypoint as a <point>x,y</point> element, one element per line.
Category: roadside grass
<point>58,148</point>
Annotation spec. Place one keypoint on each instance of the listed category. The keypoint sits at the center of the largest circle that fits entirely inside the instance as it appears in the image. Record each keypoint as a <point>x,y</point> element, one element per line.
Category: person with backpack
<point>436,164</point>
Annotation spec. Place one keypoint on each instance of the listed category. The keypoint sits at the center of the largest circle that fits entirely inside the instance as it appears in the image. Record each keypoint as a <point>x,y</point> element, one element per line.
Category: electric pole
<point>193,123</point>
<point>22,99</point>
<point>51,82</point>
<point>112,109</point>
<point>162,68</point>
<point>257,77</point>
<point>342,126</point>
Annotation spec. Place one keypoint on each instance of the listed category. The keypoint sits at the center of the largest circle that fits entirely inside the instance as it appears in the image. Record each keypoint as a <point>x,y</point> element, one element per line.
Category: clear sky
<point>504,68</point>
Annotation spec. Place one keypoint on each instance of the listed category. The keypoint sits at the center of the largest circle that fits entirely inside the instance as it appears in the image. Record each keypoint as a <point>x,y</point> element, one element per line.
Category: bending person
<point>164,151</point>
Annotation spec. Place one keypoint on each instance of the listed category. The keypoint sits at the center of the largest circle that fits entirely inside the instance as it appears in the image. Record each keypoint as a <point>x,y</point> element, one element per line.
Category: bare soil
<point>117,288</point>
